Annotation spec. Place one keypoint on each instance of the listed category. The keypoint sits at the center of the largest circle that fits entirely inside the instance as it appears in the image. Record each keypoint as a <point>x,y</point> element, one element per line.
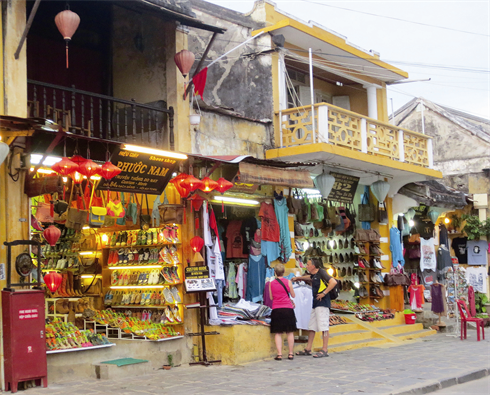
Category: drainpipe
<point>312,99</point>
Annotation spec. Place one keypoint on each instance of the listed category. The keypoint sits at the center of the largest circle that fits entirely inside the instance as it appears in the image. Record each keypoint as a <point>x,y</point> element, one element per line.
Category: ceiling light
<point>48,161</point>
<point>238,201</point>
<point>152,151</point>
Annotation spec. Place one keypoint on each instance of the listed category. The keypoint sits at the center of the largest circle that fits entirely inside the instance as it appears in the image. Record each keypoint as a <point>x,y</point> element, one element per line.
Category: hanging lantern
<point>196,203</point>
<point>67,23</point>
<point>223,186</point>
<point>177,181</point>
<point>52,234</point>
<point>192,183</point>
<point>108,171</point>
<point>324,182</point>
<point>380,190</point>
<point>197,258</point>
<point>197,243</point>
<point>433,215</point>
<point>410,214</point>
<point>64,167</point>
<point>76,177</point>
<point>53,281</point>
<point>89,168</point>
<point>78,159</point>
<point>4,151</point>
<point>184,61</point>
<point>208,185</point>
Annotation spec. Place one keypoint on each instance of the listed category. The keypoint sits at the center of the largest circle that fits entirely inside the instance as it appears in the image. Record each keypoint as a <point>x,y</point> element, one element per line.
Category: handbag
<point>145,219</point>
<point>76,217</point>
<point>43,212</point>
<point>382,215</point>
<point>132,209</point>
<point>414,253</point>
<point>122,220</point>
<point>362,235</point>
<point>171,213</point>
<point>39,186</point>
<point>373,235</point>
<point>115,209</point>
<point>96,214</point>
<point>366,210</point>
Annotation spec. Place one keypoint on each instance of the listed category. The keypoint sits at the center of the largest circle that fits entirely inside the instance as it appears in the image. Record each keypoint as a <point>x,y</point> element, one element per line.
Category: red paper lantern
<point>196,202</point>
<point>208,185</point>
<point>223,185</point>
<point>197,243</point>
<point>109,171</point>
<point>64,167</point>
<point>76,177</point>
<point>184,61</point>
<point>89,168</point>
<point>192,183</point>
<point>177,181</point>
<point>53,281</point>
<point>67,23</point>
<point>52,234</point>
<point>78,159</point>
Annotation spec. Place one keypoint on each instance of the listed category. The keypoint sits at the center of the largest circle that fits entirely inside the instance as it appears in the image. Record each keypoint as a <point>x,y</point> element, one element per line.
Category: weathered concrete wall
<point>237,83</point>
<point>456,150</point>
<point>138,73</point>
<point>220,134</point>
<point>241,83</point>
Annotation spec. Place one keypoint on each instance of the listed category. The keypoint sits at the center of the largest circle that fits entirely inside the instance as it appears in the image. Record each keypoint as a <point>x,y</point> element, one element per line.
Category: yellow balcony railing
<point>347,129</point>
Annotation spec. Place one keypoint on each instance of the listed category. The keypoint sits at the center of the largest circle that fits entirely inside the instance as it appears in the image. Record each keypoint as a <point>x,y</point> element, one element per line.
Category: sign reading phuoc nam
<point>344,188</point>
<point>141,173</point>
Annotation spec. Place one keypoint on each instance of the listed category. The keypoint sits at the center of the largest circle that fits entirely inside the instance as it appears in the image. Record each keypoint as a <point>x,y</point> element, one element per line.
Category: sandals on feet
<point>278,358</point>
<point>304,352</point>
<point>321,354</point>
<point>291,357</point>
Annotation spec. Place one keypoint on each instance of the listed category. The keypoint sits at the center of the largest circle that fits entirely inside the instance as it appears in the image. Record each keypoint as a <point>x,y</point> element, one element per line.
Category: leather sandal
<point>291,357</point>
<point>278,358</point>
<point>321,354</point>
<point>304,352</point>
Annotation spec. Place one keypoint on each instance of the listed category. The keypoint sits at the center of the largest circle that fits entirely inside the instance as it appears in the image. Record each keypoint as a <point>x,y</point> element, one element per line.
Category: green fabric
<point>125,361</point>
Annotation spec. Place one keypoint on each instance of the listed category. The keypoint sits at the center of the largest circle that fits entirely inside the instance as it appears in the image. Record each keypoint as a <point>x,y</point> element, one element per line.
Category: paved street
<point>427,363</point>
<point>476,387</point>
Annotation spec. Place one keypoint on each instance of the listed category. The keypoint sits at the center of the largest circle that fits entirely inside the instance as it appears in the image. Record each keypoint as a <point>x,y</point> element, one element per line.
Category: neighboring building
<point>461,140</point>
<point>268,79</point>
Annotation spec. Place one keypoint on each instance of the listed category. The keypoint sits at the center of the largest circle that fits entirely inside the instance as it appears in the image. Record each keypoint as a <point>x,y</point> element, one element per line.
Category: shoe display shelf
<point>364,252</point>
<point>51,303</point>
<point>62,337</point>
<point>140,270</point>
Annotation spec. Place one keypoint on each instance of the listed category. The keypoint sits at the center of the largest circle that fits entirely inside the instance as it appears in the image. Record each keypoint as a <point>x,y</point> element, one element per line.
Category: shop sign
<point>197,272</point>
<point>344,188</point>
<point>141,173</point>
<point>266,175</point>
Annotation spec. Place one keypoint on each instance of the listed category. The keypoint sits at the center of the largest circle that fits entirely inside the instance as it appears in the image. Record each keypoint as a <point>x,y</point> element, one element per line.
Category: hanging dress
<point>281,210</point>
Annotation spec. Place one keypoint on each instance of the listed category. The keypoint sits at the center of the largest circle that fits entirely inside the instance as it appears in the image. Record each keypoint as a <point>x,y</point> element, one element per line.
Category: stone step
<point>400,329</point>
<point>344,337</point>
<point>416,334</point>
<point>105,371</point>
<point>352,345</point>
<point>343,328</point>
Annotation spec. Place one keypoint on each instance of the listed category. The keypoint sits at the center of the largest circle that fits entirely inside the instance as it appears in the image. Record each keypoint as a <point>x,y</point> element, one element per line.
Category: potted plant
<point>456,222</point>
<point>170,359</point>
<point>474,228</point>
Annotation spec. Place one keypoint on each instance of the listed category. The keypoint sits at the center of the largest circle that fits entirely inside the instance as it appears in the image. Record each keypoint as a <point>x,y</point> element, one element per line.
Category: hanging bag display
<point>382,215</point>
<point>115,208</point>
<point>145,219</point>
<point>76,218</point>
<point>122,220</point>
<point>97,214</point>
<point>132,209</point>
<point>366,210</point>
<point>43,211</point>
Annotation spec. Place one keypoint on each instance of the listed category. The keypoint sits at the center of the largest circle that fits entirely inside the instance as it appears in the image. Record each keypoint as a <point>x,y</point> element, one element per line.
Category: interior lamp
<point>330,271</point>
<point>152,151</point>
<point>447,220</point>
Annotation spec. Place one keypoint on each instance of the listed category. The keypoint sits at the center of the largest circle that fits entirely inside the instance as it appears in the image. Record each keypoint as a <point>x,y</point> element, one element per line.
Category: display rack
<point>370,269</point>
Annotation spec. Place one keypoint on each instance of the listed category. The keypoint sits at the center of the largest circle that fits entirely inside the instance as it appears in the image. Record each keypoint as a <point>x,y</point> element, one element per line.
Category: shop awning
<point>433,193</point>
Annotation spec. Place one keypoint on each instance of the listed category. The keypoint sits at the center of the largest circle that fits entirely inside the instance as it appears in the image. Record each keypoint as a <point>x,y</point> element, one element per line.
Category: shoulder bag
<point>366,211</point>
<point>280,282</point>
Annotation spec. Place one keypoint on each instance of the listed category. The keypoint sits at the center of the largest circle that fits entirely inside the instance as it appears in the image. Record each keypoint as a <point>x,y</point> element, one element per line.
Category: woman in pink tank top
<point>283,319</point>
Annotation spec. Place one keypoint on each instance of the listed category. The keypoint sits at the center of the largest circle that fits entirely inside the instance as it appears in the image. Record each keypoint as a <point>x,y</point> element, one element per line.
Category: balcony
<point>100,116</point>
<point>342,138</point>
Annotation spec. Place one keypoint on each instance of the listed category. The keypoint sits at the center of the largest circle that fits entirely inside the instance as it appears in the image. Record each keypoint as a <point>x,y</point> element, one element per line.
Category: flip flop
<point>321,354</point>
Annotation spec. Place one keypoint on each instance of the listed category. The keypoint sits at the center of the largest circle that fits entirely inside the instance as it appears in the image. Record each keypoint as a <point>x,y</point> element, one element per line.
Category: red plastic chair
<point>466,317</point>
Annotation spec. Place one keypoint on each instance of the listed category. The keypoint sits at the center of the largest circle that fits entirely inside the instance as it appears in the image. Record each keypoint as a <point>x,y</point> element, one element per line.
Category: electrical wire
<point>394,18</point>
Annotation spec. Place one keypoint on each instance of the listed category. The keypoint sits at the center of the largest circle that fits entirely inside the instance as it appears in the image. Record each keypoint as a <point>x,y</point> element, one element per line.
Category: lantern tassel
<point>197,222</point>
<point>222,206</point>
<point>67,55</point>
